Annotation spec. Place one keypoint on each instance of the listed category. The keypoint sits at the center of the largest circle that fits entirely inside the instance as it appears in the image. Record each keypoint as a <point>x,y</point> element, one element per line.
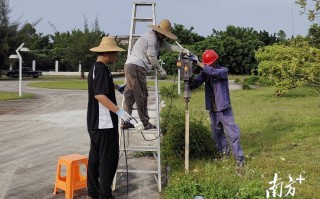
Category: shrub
<point>258,80</point>
<point>169,91</point>
<point>246,86</point>
<point>237,80</point>
<point>173,141</point>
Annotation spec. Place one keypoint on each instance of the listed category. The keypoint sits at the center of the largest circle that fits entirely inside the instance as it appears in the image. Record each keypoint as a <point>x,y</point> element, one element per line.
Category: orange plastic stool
<point>73,180</point>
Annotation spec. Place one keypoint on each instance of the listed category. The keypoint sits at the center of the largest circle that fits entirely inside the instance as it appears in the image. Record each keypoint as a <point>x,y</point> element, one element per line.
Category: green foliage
<point>9,37</point>
<point>173,142</point>
<point>72,48</point>
<point>169,91</point>
<point>314,35</point>
<point>257,80</point>
<point>235,47</point>
<point>237,80</point>
<point>216,185</point>
<point>170,60</point>
<point>286,64</point>
<point>186,36</point>
<point>312,14</point>
<point>246,86</point>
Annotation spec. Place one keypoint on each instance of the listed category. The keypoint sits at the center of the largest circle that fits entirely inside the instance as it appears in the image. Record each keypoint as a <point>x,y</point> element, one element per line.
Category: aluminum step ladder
<point>155,110</point>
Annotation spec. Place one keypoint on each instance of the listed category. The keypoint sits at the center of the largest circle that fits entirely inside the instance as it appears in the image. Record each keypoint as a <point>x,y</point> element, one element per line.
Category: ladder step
<point>151,89</point>
<point>151,117</point>
<point>140,148</point>
<point>136,171</point>
<point>144,3</point>
<point>139,19</point>
<point>136,35</point>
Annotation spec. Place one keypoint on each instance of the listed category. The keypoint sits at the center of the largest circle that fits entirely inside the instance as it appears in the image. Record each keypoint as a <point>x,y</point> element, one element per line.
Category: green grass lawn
<point>14,95</point>
<point>278,135</point>
<point>81,84</point>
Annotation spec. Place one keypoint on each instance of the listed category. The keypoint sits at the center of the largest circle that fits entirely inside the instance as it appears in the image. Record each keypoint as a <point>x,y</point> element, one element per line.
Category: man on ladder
<point>139,64</point>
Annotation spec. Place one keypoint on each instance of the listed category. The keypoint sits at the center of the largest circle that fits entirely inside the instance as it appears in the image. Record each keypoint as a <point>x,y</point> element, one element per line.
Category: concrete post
<point>34,65</point>
<point>57,66</point>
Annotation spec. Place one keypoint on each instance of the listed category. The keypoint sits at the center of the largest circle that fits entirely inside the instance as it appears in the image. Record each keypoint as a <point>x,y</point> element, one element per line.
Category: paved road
<point>35,132</point>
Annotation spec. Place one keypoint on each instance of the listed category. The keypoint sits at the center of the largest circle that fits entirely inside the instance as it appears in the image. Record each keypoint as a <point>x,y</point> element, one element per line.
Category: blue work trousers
<point>224,129</point>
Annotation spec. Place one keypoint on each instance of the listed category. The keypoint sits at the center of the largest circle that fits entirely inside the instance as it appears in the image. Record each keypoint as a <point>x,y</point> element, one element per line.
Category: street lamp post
<point>20,66</point>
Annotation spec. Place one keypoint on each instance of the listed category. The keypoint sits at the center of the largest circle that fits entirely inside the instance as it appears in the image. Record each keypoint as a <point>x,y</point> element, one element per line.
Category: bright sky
<point>114,15</point>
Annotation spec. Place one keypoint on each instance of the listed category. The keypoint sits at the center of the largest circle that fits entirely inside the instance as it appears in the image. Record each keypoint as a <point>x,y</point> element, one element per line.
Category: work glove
<point>194,59</point>
<point>185,51</point>
<point>121,88</point>
<point>163,75</point>
<point>124,115</point>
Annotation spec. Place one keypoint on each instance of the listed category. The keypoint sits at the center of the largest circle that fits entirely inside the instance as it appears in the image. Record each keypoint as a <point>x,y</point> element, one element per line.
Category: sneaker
<point>127,126</point>
<point>149,126</point>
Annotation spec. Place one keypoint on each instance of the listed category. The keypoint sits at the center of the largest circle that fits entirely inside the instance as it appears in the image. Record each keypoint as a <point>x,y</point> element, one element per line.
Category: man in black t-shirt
<point>102,121</point>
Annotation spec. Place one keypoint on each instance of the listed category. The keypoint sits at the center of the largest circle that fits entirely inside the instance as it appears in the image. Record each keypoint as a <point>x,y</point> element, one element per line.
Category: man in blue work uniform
<point>218,104</point>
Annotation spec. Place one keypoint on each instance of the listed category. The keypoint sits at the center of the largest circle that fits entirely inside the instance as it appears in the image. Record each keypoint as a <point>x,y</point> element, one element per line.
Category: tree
<point>312,14</point>
<point>186,36</point>
<point>289,65</point>
<point>72,48</point>
<point>7,32</point>
<point>314,35</point>
<point>235,47</point>
<point>11,36</point>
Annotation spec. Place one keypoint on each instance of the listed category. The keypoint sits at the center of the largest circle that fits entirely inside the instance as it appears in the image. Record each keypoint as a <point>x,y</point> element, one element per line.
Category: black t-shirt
<point>100,81</point>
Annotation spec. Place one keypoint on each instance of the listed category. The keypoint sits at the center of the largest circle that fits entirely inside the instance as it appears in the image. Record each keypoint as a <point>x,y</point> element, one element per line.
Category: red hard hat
<point>209,56</point>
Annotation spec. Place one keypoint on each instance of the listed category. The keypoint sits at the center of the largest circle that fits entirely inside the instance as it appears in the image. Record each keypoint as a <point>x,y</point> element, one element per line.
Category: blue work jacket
<point>216,85</point>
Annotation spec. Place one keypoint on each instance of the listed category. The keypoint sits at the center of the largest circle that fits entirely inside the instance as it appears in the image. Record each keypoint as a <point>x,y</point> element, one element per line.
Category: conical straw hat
<point>164,28</point>
<point>107,44</point>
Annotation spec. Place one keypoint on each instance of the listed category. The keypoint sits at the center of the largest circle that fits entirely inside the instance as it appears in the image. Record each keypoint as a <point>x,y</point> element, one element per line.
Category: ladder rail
<point>132,38</point>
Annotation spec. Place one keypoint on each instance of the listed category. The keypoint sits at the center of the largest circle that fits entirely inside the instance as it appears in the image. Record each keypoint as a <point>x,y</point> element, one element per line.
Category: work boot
<point>149,126</point>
